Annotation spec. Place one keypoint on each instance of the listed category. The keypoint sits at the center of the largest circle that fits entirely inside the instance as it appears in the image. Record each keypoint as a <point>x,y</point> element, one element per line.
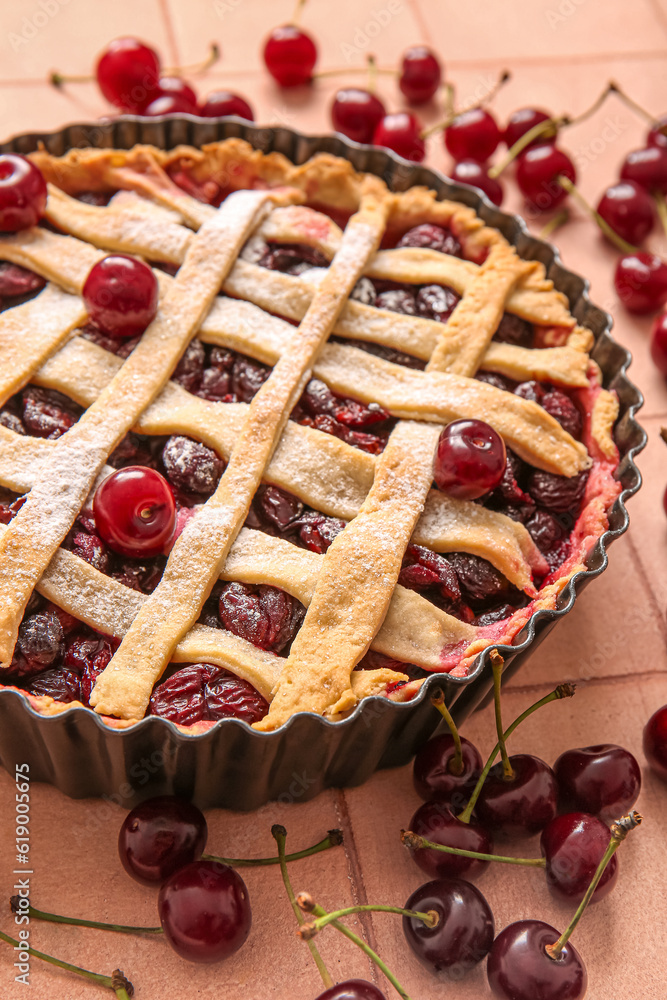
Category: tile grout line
<point>652,596</point>
<point>169,28</point>
<point>420,19</point>
<point>659,14</point>
<point>611,679</point>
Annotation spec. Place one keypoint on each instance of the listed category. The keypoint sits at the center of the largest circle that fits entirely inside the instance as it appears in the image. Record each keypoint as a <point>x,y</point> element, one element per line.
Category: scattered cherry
<point>205,911</point>
<point>656,136</point>
<point>521,806</point>
<point>519,967</point>
<point>640,280</point>
<point>128,72</point>
<point>522,121</point>
<point>647,167</point>
<point>356,113</point>
<point>22,193</point>
<point>121,295</point>
<point>603,780</point>
<point>655,741</point>
<point>290,55</point>
<point>472,135</point>
<point>432,775</point>
<point>352,989</point>
<point>470,459</point>
<point>135,511</point>
<point>573,846</point>
<point>169,104</point>
<point>659,343</point>
<point>436,822</point>
<point>537,173</point>
<point>420,74</point>
<point>176,88</point>
<point>465,928</point>
<point>476,174</point>
<point>628,208</point>
<point>401,132</point>
<point>159,836</point>
<point>225,102</point>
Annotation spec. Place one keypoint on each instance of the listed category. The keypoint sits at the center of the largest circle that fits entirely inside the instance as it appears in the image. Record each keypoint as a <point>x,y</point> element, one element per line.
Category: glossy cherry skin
<point>135,511</point>
<point>656,136</point>
<point>420,74</point>
<point>519,968</point>
<point>470,459</point>
<point>464,932</point>
<point>160,836</point>
<point>471,172</point>
<point>400,132</point>
<point>659,343</point>
<point>521,807</point>
<point>178,88</point>
<point>225,102</point>
<point>604,780</point>
<point>573,845</point>
<point>437,822</point>
<point>127,73</point>
<point>647,167</point>
<point>290,55</point>
<point>472,135</point>
<point>655,742</point>
<point>640,280</point>
<point>205,912</point>
<point>537,172</point>
<point>433,780</point>
<point>121,295</point>
<point>356,113</point>
<point>522,121</point>
<point>628,208</point>
<point>169,104</point>
<point>22,193</point>
<point>352,989</point>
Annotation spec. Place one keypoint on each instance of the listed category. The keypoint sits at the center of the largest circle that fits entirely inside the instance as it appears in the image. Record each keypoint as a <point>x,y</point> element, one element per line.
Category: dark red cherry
<point>537,173</point>
<point>522,121</point>
<point>225,102</point>
<point>401,132</point>
<point>437,822</point>
<point>628,208</point>
<point>205,911</point>
<point>464,932</point>
<point>476,174</point>
<point>520,807</point>
<point>657,135</point>
<point>604,780</point>
<point>640,280</point>
<point>647,167</point>
<point>659,343</point>
<point>655,742</point>
<point>22,193</point>
<point>127,73</point>
<point>160,836</point>
<point>573,846</point>
<point>356,113</point>
<point>121,295</point>
<point>290,55</point>
<point>420,74</point>
<point>135,511</point>
<point>519,967</point>
<point>472,135</point>
<point>352,989</point>
<point>470,459</point>
<point>433,778</point>
<point>173,96</point>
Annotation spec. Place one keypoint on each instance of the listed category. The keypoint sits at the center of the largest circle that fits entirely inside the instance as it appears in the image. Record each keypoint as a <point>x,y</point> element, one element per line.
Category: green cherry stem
<point>554,223</point>
<point>56,918</point>
<point>416,843</point>
<point>453,113</point>
<point>279,834</point>
<point>562,691</point>
<point>117,982</point>
<point>619,831</point>
<point>58,79</point>
<point>307,903</point>
<point>308,931</point>
<point>611,235</point>
<point>455,765</point>
<point>333,839</point>
<point>661,206</point>
<point>497,664</point>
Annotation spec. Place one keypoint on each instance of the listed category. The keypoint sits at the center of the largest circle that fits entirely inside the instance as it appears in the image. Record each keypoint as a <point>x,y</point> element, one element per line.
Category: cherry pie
<point>314,333</point>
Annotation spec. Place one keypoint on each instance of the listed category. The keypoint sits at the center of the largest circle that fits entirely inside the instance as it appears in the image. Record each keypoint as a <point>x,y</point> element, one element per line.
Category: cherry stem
<point>333,839</point>
<point>661,206</point>
<point>309,930</point>
<point>450,92</point>
<point>455,765</point>
<point>633,105</point>
<point>452,113</point>
<point>497,664</point>
<point>416,843</point>
<point>300,4</point>
<point>619,831</point>
<point>372,73</point>
<point>56,918</point>
<point>617,240</point>
<point>117,982</point>
<point>554,223</point>
<point>307,903</point>
<point>663,434</point>
<point>57,79</point>
<point>562,691</point>
<point>354,70</point>
<point>279,834</point>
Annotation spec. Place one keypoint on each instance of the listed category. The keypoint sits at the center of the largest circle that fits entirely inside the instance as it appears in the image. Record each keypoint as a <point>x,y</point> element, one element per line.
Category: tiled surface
<point>561,53</point>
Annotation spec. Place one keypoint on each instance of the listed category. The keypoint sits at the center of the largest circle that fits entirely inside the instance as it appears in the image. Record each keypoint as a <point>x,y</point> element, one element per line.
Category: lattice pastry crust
<point>354,602</point>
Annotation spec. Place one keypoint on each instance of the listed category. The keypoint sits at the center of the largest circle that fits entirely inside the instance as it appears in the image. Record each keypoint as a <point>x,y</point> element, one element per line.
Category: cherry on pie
<point>314,334</point>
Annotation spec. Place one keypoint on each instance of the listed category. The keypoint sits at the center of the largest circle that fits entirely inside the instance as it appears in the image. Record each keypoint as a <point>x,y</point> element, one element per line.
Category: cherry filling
<point>202,692</point>
<point>18,284</point>
<point>37,412</point>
